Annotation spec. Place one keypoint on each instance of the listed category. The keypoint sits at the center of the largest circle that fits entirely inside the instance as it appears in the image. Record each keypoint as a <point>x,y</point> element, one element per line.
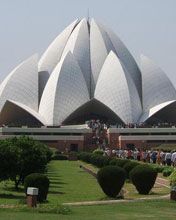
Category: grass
<point>153,210</point>
<point>69,183</point>
<point>8,195</point>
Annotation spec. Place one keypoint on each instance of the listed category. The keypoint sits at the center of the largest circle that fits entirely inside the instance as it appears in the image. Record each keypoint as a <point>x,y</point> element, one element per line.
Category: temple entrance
<point>74,147</point>
<point>93,110</point>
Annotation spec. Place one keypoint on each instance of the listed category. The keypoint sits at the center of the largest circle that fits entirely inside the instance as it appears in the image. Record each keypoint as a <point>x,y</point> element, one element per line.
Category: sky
<point>145,26</point>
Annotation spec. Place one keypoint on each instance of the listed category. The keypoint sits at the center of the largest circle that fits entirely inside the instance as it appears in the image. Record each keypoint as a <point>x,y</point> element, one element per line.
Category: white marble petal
<point>115,89</point>
<point>65,91</point>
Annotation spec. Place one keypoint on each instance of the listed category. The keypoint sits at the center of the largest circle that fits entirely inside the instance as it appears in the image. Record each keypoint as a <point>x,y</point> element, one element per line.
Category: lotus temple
<point>88,73</point>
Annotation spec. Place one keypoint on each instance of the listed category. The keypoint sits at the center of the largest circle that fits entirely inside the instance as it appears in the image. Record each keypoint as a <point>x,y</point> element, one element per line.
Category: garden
<point>74,193</point>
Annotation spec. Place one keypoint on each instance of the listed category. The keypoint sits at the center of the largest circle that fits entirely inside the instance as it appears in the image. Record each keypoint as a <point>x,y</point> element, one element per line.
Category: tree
<point>21,156</point>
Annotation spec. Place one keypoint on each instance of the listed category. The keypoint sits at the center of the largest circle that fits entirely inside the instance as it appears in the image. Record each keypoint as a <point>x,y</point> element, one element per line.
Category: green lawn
<point>69,183</point>
<point>153,210</point>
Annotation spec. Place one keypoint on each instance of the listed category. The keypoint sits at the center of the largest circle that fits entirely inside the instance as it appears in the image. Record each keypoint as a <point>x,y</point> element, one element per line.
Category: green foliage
<point>119,162</point>
<point>143,177</point>
<point>21,156</point>
<point>158,168</point>
<point>112,162</point>
<point>111,180</point>
<point>167,147</point>
<point>39,181</point>
<point>167,171</point>
<point>59,157</point>
<point>129,166</point>
<point>98,151</point>
<point>172,178</point>
<point>84,156</point>
<point>99,161</point>
<point>59,209</point>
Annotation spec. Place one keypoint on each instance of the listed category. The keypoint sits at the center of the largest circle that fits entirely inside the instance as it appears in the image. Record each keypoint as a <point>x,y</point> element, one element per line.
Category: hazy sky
<point>145,26</point>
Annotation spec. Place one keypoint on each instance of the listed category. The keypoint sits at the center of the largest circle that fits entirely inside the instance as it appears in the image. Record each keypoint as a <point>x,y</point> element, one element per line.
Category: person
<point>158,157</point>
<point>138,155</point>
<point>148,157</point>
<point>173,159</point>
<point>153,156</point>
<point>162,155</point>
<point>168,158</point>
<point>129,154</point>
<point>135,154</point>
<point>145,153</point>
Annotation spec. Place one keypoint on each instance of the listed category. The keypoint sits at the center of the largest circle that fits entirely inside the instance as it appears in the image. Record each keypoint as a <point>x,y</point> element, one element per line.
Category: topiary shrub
<point>106,160</point>
<point>111,180</point>
<point>95,159</point>
<point>113,162</point>
<point>129,166</point>
<point>84,156</point>
<point>172,178</point>
<point>121,162</point>
<point>39,181</point>
<point>143,177</point>
<point>158,168</point>
<point>98,151</point>
<point>167,171</point>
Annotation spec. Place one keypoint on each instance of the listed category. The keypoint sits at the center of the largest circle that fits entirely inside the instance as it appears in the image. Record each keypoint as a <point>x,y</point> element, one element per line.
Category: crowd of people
<point>145,125</point>
<point>150,156</point>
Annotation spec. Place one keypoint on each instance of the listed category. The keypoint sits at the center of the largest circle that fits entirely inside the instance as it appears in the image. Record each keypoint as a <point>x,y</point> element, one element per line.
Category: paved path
<point>162,182</point>
<point>106,202</point>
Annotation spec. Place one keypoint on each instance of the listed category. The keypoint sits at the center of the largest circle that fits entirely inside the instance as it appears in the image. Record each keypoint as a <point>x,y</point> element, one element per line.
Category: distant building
<point>86,73</point>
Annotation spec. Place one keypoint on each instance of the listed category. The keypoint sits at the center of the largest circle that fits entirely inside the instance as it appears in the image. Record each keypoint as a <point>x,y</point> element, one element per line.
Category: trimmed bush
<point>143,177</point>
<point>167,171</point>
<point>129,166</point>
<point>59,157</point>
<point>119,162</point>
<point>98,151</point>
<point>84,156</point>
<point>113,162</point>
<point>111,180</point>
<point>172,178</point>
<point>39,181</point>
<point>158,168</point>
<point>99,161</point>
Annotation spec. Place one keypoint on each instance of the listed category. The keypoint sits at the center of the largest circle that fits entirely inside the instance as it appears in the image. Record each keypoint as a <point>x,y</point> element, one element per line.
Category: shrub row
<point>130,166</point>
<point>98,151</point>
<point>59,157</point>
<point>113,173</point>
<point>172,178</point>
<point>112,178</point>
<point>167,171</point>
<point>100,160</point>
<point>119,162</point>
<point>157,168</point>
